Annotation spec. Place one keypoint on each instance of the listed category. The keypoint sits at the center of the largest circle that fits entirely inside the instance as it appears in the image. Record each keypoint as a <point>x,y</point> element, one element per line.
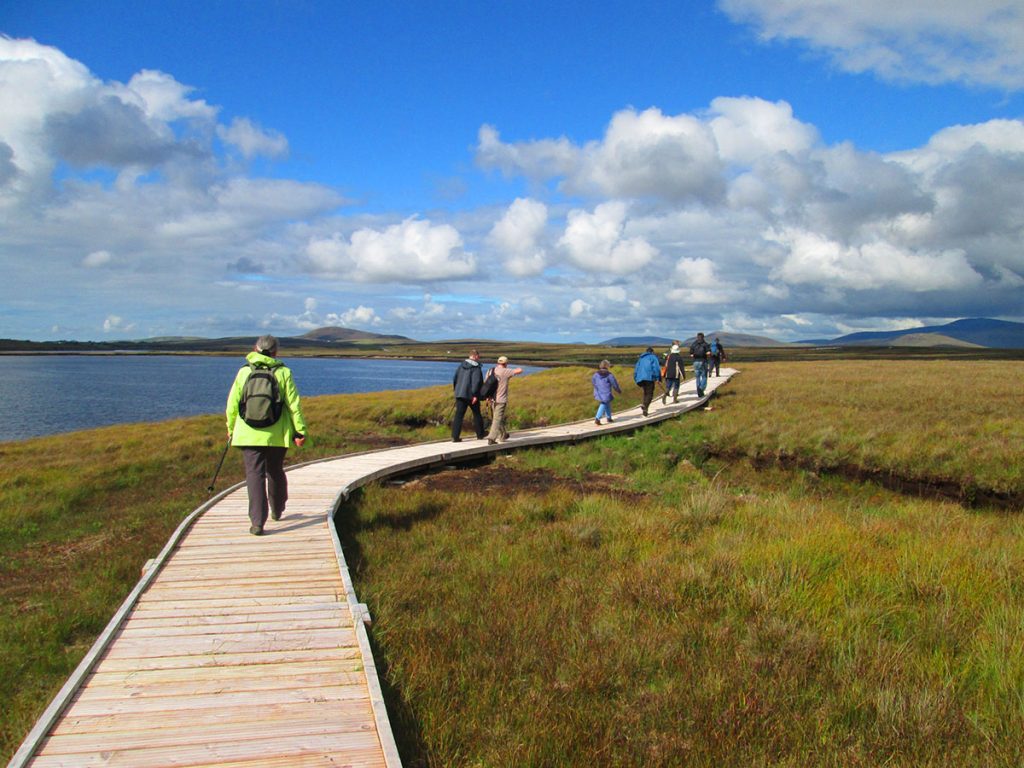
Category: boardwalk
<point>235,650</point>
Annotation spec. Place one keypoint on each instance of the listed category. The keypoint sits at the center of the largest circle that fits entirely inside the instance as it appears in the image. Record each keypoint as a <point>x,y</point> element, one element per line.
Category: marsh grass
<point>715,612</point>
<point>935,421</point>
<point>758,622</point>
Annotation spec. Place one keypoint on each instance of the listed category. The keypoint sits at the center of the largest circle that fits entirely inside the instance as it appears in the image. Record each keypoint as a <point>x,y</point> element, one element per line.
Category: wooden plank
<point>312,724</point>
<point>129,678</point>
<point>199,685</point>
<point>116,663</point>
<point>132,722</point>
<point>232,644</point>
<point>84,704</point>
<point>360,745</point>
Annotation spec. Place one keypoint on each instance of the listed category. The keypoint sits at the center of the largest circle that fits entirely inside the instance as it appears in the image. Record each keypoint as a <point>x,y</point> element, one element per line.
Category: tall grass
<point>734,617</point>
<point>936,421</point>
<point>664,603</point>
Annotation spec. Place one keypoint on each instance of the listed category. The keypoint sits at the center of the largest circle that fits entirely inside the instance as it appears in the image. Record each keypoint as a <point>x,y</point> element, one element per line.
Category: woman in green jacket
<point>264,447</point>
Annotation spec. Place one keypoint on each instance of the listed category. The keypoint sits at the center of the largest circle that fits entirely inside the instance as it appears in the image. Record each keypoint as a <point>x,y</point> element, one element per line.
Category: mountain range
<point>971,332</point>
<point>728,339</point>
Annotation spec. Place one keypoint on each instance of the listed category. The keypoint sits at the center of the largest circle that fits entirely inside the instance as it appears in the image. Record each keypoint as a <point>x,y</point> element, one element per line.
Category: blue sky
<point>549,171</point>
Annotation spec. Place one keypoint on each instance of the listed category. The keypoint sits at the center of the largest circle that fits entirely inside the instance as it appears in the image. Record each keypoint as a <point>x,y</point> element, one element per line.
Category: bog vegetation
<point>825,569</point>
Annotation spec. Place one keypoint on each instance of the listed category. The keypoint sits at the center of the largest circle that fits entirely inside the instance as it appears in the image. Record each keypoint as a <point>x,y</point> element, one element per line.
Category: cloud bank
<point>136,207</point>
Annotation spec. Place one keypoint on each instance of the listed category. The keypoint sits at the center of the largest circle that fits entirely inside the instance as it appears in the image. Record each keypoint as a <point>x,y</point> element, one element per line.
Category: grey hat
<point>266,344</point>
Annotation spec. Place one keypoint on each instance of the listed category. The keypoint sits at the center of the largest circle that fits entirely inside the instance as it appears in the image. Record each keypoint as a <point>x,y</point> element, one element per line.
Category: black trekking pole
<point>219,465</point>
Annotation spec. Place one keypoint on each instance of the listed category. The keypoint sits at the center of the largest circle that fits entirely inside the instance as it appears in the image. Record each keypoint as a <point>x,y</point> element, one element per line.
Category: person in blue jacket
<point>645,374</point>
<point>604,384</point>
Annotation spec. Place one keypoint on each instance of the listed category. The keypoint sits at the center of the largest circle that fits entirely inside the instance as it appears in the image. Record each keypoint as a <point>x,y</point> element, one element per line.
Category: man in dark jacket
<point>699,351</point>
<point>467,382</point>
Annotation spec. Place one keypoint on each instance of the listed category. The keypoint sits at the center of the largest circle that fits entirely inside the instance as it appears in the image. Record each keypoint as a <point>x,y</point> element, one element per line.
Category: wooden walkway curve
<point>238,651</point>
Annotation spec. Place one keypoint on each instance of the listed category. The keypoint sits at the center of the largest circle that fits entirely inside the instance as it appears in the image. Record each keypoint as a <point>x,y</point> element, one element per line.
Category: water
<point>49,394</point>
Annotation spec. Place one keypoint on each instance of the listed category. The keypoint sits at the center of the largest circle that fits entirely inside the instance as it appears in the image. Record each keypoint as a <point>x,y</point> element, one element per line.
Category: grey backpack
<point>260,404</point>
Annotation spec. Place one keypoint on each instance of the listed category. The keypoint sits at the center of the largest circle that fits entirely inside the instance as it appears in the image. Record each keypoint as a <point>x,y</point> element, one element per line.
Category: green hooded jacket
<point>290,425</point>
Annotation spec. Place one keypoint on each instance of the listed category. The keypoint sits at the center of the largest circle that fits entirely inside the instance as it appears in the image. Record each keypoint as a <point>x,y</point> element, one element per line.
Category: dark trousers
<point>716,361</point>
<point>648,388</point>
<point>460,412</point>
<point>264,476</point>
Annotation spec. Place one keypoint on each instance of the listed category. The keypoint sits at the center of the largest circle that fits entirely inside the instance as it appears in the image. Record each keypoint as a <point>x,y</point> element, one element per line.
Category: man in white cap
<point>502,373</point>
<point>673,374</point>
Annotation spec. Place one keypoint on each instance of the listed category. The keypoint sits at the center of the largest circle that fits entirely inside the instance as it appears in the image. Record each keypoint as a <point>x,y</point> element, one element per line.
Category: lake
<point>49,394</point>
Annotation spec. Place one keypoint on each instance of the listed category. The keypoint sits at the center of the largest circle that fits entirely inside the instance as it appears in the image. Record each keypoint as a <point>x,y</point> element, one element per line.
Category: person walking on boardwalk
<point>264,417</point>
<point>673,374</point>
<point>645,374</point>
<point>717,356</point>
<point>466,383</point>
<point>699,351</point>
<point>502,373</point>
<point>604,382</point>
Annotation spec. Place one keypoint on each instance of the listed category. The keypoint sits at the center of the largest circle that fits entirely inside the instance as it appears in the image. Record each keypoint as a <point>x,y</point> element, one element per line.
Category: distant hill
<point>980,332</point>
<point>729,340</point>
<point>931,340</point>
<point>337,333</point>
<point>732,340</point>
<point>636,341</point>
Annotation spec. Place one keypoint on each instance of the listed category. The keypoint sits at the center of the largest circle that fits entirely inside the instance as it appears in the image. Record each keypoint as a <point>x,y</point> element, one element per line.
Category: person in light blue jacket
<point>604,382</point>
<point>645,374</point>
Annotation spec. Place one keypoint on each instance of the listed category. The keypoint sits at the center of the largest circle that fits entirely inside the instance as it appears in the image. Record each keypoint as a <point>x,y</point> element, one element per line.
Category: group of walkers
<point>649,370</point>
<point>264,411</point>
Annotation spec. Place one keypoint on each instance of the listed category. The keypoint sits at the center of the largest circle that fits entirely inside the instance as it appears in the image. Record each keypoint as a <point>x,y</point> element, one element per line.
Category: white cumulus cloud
<point>977,42</point>
<point>811,258</point>
<point>413,251</point>
<point>251,140</point>
<point>518,234</point>
<point>595,241</point>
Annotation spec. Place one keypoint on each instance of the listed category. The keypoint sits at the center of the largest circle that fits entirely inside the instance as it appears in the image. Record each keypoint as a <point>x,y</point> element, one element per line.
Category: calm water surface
<point>48,394</point>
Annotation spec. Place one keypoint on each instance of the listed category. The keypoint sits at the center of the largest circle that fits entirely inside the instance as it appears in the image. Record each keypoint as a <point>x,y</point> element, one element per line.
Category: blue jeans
<point>701,373</point>
<point>604,408</point>
<point>671,387</point>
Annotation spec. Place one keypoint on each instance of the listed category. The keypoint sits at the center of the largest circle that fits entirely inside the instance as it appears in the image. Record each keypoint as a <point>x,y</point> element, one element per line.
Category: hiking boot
<point>456,439</point>
<point>256,530</point>
<point>491,442</point>
<point>664,398</point>
<point>675,398</point>
<point>598,422</point>
<point>275,514</point>
<point>643,411</point>
<point>610,420</point>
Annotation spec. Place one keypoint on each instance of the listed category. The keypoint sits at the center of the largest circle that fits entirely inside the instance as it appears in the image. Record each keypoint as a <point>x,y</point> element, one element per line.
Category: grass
<point>712,591</point>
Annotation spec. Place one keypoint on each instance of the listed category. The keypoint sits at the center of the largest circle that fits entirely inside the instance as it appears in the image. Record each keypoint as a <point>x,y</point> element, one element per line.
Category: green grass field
<point>715,590</point>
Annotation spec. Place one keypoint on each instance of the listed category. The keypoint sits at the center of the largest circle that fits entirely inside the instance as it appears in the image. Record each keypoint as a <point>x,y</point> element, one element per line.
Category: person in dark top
<point>673,374</point>
<point>717,355</point>
<point>466,383</point>
<point>700,350</point>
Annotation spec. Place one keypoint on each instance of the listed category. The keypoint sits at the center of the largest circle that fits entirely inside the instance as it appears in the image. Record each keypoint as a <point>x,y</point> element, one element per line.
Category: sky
<point>547,171</point>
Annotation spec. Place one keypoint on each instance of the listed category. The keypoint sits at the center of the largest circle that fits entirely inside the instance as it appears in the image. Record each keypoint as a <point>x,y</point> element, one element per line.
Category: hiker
<point>264,416</point>
<point>502,373</point>
<point>673,374</point>
<point>645,374</point>
<point>717,355</point>
<point>699,351</point>
<point>466,383</point>
<point>604,382</point>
